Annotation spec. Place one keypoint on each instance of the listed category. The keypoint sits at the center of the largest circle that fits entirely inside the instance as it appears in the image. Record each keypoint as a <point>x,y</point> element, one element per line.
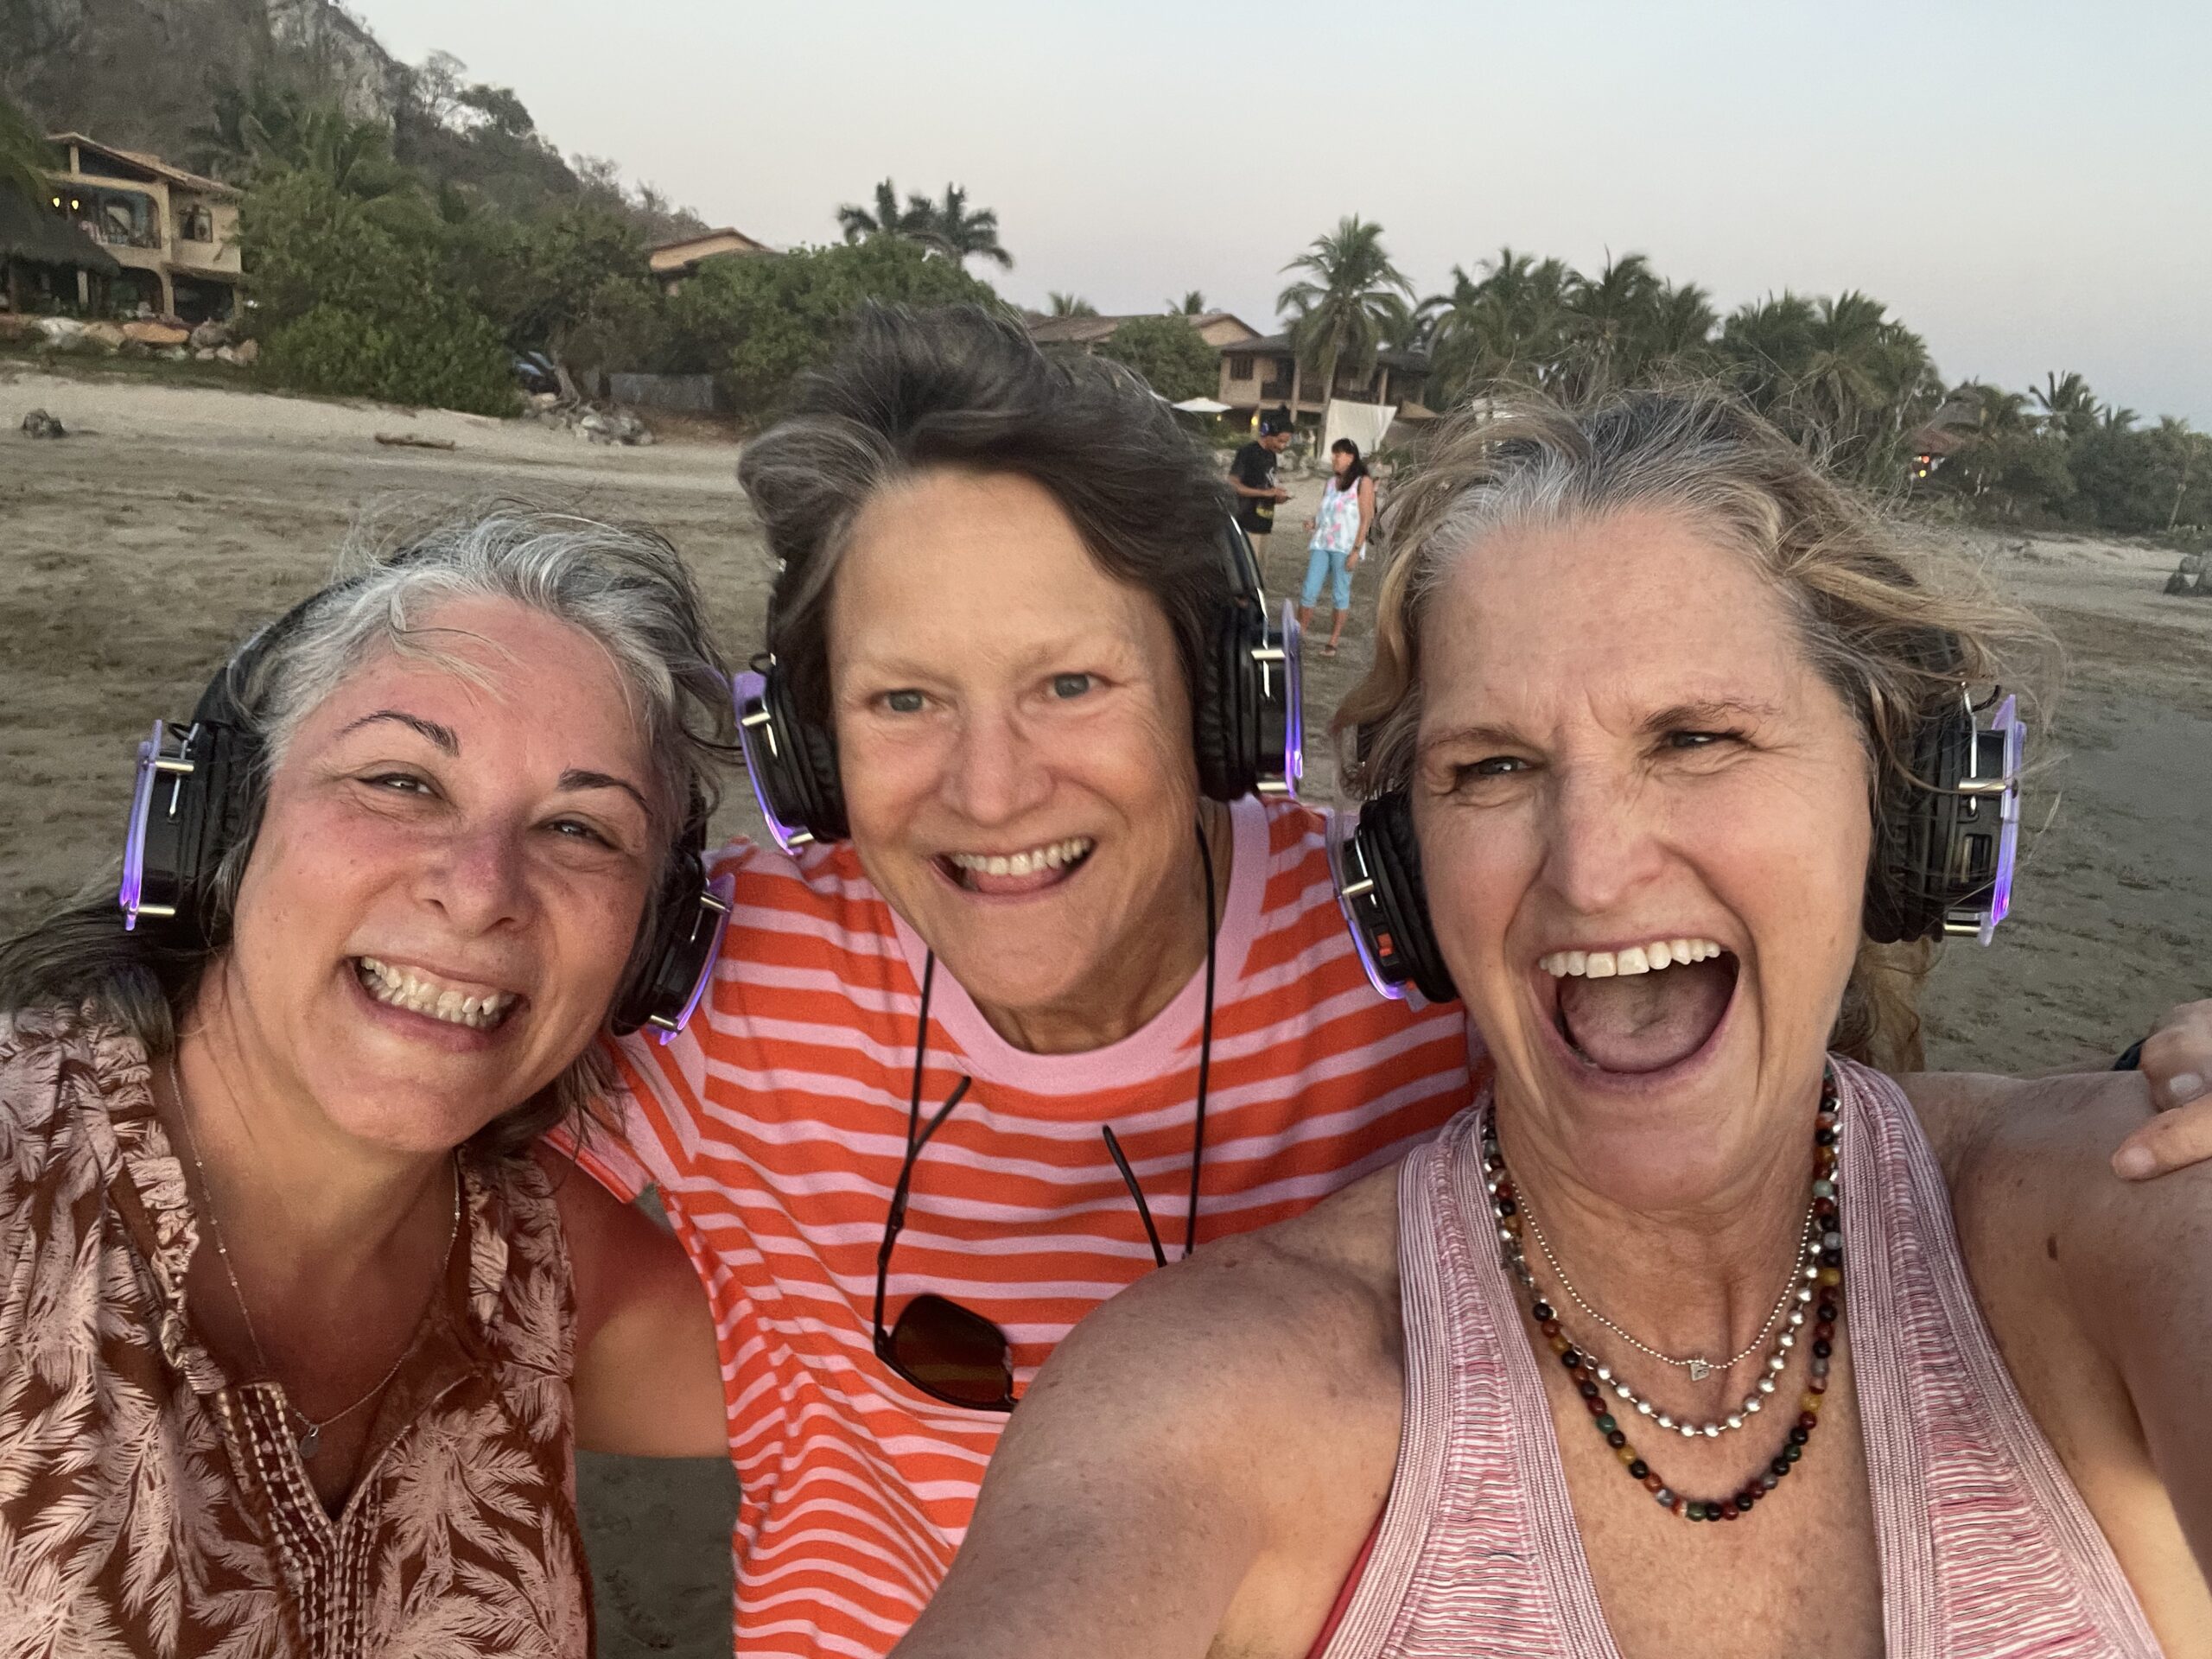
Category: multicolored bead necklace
<point>1594,1380</point>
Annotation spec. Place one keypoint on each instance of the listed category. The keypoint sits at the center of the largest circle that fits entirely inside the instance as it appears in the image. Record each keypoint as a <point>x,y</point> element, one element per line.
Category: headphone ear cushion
<point>1399,853</point>
<point>808,792</point>
<point>817,758</point>
<point>1221,711</point>
<point>1905,894</point>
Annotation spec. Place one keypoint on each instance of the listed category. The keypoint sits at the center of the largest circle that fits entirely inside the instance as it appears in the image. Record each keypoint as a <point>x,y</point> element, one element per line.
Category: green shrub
<point>764,319</point>
<point>440,362</point>
<point>356,303</point>
<point>1170,355</point>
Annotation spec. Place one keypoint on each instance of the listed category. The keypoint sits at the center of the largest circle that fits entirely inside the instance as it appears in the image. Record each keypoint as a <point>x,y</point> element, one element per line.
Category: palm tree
<point>947,227</point>
<point>1193,304</point>
<point>2069,408</point>
<point>889,219</point>
<point>1765,344</point>
<point>1995,411</point>
<point>959,233</point>
<point>1679,324</point>
<point>249,127</point>
<point>1348,301</point>
<point>1069,305</point>
<point>1606,314</point>
<point>24,155</point>
<point>1507,325</point>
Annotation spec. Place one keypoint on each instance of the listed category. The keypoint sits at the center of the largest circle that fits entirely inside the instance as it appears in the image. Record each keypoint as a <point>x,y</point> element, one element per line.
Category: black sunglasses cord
<point>1113,1144</point>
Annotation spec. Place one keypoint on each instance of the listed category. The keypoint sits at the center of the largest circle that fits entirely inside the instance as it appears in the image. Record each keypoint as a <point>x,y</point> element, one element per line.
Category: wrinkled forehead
<point>520,683</point>
<point>1618,614</point>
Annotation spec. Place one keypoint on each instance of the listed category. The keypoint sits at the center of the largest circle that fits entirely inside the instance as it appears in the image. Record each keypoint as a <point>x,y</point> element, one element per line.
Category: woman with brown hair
<point>1695,1331</point>
<point>292,1315</point>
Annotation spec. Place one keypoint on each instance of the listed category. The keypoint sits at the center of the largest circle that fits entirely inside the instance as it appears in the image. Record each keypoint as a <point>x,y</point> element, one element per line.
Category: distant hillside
<point>140,73</point>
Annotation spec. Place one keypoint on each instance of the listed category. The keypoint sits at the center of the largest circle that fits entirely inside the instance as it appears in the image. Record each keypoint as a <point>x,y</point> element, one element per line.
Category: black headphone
<point>1246,716</point>
<point>1943,859</point>
<point>198,794</point>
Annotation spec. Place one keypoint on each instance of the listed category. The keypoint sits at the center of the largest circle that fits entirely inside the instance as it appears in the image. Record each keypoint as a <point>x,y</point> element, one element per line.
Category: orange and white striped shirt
<point>775,1126</point>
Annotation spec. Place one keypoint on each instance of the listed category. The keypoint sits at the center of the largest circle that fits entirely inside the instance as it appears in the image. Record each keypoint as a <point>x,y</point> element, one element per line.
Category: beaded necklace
<point>1823,1289</point>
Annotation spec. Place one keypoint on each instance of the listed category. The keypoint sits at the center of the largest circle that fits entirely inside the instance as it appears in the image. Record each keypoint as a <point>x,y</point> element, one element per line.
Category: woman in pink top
<point>1691,1334</point>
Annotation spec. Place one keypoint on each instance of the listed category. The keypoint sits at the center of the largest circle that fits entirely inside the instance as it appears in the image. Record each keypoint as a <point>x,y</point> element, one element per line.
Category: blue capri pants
<point>1335,564</point>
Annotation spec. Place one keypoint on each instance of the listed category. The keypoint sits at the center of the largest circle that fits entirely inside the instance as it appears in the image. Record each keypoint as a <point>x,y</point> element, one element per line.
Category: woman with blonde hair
<point>1696,1329</point>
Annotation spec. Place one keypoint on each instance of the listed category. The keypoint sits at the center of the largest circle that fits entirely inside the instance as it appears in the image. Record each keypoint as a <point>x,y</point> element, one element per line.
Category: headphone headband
<point>1247,716</point>
<point>197,797</point>
<point>1946,851</point>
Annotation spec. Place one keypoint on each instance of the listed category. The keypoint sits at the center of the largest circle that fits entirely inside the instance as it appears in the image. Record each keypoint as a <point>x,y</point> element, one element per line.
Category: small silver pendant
<point>310,1443</point>
<point>1699,1370</point>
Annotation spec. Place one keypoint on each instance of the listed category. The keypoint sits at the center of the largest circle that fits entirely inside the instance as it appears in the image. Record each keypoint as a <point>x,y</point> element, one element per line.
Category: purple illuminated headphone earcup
<point>1397,859</point>
<point>793,763</point>
<point>672,967</point>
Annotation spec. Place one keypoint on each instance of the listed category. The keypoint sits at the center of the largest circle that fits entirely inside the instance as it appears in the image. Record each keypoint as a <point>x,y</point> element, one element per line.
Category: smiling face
<point>446,884</point>
<point>1013,735</point>
<point>1625,757</point>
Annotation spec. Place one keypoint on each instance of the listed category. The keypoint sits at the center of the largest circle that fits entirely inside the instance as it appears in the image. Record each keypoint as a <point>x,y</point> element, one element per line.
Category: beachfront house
<point>172,235</point>
<point>673,262</point>
<point>46,264</point>
<point>1087,334</point>
<point>1264,373</point>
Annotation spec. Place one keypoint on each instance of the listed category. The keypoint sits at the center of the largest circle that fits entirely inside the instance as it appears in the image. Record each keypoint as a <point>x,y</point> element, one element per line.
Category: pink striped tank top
<point>1985,1548</point>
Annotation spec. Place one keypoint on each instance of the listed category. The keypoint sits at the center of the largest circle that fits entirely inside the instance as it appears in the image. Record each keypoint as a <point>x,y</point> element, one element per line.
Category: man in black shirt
<point>1252,476</point>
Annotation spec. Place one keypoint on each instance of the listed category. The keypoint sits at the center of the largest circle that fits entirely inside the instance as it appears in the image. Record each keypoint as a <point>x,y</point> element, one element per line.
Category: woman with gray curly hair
<point>292,1313</point>
<point>1695,1331</point>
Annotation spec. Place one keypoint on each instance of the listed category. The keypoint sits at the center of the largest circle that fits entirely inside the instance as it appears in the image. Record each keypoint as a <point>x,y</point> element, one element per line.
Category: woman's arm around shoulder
<point>2099,1293</point>
<point>649,1379</point>
<point>1199,1457</point>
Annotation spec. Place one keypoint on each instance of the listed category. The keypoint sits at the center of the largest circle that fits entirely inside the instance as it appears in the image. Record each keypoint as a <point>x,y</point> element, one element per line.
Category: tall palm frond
<point>24,154</point>
<point>1349,300</point>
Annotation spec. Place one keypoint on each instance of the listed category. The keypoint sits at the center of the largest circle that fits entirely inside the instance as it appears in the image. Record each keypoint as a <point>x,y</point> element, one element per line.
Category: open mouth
<point>1007,875</point>
<point>415,992</point>
<point>1644,1008</point>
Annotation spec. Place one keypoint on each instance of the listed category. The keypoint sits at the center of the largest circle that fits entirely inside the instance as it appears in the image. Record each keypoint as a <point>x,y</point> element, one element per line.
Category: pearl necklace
<point>1798,1288</point>
<point>1824,1280</point>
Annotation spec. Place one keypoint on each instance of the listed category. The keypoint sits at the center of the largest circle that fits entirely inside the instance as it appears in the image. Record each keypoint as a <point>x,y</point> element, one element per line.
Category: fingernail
<point>2184,1087</point>
<point>2133,1163</point>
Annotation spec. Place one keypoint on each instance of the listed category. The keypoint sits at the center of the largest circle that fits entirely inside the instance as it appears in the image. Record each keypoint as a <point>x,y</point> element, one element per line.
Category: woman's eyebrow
<point>440,735</point>
<point>1478,734</point>
<point>576,778</point>
<point>1710,711</point>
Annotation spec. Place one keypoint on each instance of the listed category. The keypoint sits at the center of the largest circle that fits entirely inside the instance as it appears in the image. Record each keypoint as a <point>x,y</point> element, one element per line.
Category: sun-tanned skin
<point>1196,1469</point>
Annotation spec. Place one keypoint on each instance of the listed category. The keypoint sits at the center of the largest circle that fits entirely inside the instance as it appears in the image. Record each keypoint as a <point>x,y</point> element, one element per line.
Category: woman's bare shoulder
<point>1263,1319</point>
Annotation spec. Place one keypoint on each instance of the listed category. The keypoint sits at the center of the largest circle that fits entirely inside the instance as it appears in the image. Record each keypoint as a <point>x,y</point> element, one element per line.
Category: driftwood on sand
<point>407,441</point>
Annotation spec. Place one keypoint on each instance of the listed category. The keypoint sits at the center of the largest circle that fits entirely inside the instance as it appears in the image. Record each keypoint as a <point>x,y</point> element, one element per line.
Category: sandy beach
<point>175,519</point>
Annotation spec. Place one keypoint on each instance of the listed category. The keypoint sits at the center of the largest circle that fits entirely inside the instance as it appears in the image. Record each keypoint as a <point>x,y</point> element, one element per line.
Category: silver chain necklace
<point>309,1440</point>
<point>1697,1365</point>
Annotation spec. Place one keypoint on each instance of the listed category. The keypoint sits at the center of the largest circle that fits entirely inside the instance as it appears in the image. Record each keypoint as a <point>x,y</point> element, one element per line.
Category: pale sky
<point>2027,184</point>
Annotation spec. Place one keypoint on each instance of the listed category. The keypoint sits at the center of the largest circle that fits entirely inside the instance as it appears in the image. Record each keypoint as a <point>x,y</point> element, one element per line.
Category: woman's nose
<point>1601,842</point>
<point>995,772</point>
<point>476,877</point>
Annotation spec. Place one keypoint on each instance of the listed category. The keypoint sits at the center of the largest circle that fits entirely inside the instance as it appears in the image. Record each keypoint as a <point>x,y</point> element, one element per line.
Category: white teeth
<point>402,988</point>
<point>1633,959</point>
<point>1050,857</point>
